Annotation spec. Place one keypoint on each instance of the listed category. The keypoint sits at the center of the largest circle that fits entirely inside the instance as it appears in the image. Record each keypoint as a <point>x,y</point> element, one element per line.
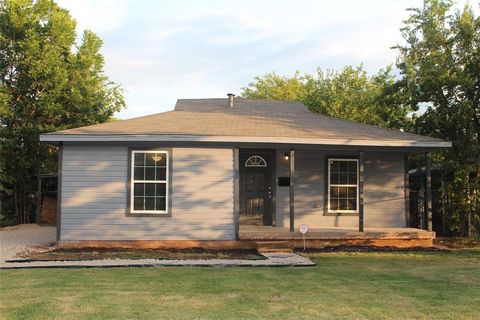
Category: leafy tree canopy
<point>440,67</point>
<point>350,94</point>
<point>275,87</point>
<point>354,95</point>
<point>48,82</point>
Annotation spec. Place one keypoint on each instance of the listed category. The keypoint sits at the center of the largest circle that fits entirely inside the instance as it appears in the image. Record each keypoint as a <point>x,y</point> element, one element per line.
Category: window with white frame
<point>343,185</point>
<point>149,182</point>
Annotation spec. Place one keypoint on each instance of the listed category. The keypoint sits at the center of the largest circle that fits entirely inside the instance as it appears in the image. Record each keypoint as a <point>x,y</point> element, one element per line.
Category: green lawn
<point>420,285</point>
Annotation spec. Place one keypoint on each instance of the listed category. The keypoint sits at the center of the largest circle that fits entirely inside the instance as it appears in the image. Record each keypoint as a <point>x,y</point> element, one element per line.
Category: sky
<point>160,51</point>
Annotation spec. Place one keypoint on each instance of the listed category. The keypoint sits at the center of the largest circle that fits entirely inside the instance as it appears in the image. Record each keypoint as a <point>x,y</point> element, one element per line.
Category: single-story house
<point>226,172</point>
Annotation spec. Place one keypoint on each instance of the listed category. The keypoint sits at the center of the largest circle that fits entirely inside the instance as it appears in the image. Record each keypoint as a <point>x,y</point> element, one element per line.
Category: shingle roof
<point>248,118</point>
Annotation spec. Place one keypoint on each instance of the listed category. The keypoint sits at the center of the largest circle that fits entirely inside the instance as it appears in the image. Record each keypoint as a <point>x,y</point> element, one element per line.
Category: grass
<point>94,254</point>
<point>401,285</point>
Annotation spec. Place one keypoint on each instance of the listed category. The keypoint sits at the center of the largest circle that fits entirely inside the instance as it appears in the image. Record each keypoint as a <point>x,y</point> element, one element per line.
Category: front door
<point>256,186</point>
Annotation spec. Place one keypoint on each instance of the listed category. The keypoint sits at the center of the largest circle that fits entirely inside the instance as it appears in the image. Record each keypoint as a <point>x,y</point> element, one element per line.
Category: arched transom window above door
<point>255,161</point>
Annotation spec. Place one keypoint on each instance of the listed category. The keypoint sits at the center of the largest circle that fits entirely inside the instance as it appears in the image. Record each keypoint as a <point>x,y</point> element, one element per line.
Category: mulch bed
<point>107,253</point>
<point>371,249</point>
<point>457,242</point>
<point>440,244</point>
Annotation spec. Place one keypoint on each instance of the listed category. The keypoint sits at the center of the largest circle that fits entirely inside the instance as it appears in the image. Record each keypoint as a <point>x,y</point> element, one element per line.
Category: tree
<point>275,87</point>
<point>440,68</point>
<point>47,83</point>
<point>352,94</point>
<point>349,94</point>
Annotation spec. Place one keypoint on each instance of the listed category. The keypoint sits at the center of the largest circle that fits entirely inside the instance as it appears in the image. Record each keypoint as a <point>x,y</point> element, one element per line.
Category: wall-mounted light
<point>286,156</point>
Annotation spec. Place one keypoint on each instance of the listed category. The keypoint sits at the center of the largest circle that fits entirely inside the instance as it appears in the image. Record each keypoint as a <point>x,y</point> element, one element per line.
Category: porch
<point>341,194</point>
<point>323,237</point>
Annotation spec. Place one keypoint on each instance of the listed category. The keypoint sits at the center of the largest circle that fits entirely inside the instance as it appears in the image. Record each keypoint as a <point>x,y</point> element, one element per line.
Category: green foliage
<point>47,83</point>
<point>274,87</point>
<point>349,94</point>
<point>352,94</point>
<point>440,67</point>
<point>5,220</point>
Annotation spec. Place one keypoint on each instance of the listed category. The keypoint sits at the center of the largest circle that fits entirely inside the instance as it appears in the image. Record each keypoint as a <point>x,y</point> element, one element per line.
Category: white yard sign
<point>303,229</point>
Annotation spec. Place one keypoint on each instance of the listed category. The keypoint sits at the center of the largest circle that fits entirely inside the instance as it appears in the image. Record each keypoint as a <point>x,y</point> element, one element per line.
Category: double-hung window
<point>342,185</point>
<point>149,182</point>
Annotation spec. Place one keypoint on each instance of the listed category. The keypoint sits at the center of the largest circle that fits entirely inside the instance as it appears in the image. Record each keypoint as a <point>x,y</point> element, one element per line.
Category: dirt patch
<point>371,249</point>
<point>100,254</point>
<point>439,244</point>
<point>457,242</point>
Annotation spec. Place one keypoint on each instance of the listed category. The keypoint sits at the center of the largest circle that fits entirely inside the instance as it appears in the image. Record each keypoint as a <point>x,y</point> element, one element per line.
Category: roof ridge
<point>242,98</point>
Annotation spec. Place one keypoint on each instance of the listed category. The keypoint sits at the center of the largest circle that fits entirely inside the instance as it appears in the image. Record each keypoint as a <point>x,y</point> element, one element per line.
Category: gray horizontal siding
<point>384,202</point>
<point>99,220</point>
<point>201,208</point>
<point>94,196</point>
<point>384,196</point>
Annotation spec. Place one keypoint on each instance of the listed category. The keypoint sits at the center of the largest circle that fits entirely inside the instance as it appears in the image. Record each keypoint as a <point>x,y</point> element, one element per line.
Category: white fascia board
<point>243,139</point>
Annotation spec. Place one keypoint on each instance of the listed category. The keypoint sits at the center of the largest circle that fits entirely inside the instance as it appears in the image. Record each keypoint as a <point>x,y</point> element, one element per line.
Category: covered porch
<point>281,188</point>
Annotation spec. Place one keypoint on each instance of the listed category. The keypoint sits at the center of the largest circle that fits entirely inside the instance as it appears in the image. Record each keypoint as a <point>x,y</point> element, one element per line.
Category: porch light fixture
<point>156,157</point>
<point>286,156</point>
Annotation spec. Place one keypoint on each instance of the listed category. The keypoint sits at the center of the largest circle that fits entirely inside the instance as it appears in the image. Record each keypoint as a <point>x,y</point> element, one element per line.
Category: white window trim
<point>343,185</point>
<point>132,181</point>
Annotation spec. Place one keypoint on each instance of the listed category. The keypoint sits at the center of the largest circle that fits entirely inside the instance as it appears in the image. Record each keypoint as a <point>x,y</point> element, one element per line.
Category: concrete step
<point>273,246</point>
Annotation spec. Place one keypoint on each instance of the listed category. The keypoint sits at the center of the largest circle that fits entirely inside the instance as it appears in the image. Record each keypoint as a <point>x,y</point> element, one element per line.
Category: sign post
<point>303,229</point>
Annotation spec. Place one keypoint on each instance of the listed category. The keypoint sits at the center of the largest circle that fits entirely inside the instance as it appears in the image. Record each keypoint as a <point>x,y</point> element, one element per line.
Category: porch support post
<point>361,170</point>
<point>406,189</point>
<point>236,188</point>
<point>428,192</point>
<point>292,190</point>
<point>59,191</point>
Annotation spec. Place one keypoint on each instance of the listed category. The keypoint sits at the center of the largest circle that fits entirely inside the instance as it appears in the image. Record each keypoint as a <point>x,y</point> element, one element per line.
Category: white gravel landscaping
<point>16,239</point>
<point>273,260</point>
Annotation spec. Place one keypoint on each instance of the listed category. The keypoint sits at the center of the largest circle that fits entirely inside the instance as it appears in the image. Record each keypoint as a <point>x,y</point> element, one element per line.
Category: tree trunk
<point>16,205</point>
